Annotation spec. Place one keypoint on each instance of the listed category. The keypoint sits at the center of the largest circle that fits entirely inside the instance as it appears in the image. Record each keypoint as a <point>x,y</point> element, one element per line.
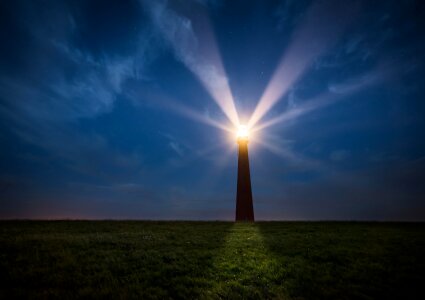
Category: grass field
<point>209,260</point>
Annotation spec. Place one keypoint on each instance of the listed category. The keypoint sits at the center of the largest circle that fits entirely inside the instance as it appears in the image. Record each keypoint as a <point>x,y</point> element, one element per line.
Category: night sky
<point>114,109</point>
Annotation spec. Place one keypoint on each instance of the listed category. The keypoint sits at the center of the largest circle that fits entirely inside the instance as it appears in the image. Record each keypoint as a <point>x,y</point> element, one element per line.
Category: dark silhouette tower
<point>244,207</point>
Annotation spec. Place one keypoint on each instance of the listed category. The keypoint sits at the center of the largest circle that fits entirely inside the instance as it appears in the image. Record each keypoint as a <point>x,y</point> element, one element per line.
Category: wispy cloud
<point>63,83</point>
<point>175,145</point>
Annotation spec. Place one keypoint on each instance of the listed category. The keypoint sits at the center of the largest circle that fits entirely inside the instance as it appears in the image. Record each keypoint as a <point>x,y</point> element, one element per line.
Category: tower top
<point>242,133</point>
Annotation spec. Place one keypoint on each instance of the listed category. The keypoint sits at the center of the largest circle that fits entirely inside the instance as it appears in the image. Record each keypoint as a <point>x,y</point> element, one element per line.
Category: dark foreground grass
<point>209,260</point>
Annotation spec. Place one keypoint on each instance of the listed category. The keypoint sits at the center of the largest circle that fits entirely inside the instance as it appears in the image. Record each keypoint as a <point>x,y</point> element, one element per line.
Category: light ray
<point>210,69</point>
<point>216,84</point>
<point>195,46</point>
<point>323,100</point>
<point>177,107</point>
<point>272,147</point>
<point>322,25</point>
<point>310,106</point>
<point>194,115</point>
<point>287,154</point>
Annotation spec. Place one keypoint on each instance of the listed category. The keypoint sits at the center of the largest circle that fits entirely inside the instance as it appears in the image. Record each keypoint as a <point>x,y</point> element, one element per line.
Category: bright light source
<point>242,132</point>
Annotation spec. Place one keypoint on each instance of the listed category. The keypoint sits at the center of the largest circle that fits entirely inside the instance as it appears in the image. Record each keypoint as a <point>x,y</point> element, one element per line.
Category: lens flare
<point>242,132</point>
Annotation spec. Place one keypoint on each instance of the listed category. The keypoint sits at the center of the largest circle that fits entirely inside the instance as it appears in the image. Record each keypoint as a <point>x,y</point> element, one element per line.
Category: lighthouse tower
<point>244,207</point>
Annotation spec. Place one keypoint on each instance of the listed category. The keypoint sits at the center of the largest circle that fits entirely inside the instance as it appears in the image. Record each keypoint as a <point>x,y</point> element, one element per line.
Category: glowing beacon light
<point>242,133</point>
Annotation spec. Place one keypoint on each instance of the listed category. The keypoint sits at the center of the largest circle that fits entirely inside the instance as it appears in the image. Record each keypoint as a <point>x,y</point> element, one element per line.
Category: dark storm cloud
<point>93,96</point>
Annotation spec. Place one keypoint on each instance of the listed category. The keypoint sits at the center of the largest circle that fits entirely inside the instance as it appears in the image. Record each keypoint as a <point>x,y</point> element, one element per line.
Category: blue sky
<point>109,109</point>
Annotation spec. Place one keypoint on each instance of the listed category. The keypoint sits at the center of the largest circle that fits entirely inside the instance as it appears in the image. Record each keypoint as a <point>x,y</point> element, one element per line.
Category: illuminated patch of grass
<point>211,260</point>
<point>242,268</point>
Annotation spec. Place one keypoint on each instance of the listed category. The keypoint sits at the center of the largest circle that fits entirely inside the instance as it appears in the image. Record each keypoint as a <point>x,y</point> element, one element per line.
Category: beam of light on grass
<point>243,257</point>
<point>319,30</point>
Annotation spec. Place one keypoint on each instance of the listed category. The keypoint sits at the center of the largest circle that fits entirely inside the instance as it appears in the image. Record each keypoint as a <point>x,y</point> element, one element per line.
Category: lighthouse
<point>244,206</point>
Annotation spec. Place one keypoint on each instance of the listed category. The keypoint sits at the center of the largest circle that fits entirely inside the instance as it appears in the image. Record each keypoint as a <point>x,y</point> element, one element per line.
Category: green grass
<point>210,260</point>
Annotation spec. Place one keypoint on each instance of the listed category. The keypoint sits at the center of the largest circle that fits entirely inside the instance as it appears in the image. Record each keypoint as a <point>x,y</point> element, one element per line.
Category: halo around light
<point>242,132</point>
